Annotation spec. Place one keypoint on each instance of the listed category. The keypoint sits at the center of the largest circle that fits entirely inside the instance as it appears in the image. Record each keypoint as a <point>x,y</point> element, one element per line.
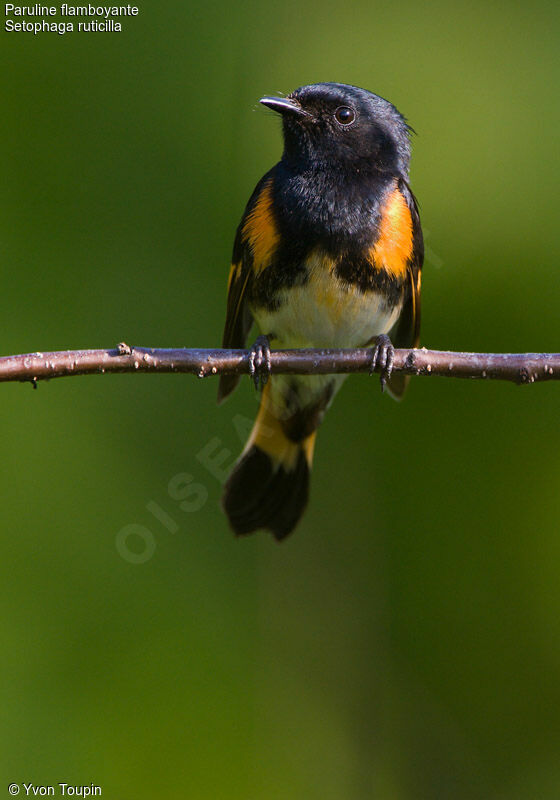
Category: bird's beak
<point>283,105</point>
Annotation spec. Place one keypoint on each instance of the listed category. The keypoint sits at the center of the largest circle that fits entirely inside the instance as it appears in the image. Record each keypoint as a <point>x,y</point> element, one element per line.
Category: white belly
<point>323,313</point>
<point>326,313</point>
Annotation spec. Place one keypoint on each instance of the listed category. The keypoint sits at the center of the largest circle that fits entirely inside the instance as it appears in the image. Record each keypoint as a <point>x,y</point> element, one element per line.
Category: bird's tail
<point>269,485</point>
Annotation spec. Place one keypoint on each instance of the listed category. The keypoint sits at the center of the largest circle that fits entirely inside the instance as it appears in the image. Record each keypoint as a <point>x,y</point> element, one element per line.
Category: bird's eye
<point>344,115</point>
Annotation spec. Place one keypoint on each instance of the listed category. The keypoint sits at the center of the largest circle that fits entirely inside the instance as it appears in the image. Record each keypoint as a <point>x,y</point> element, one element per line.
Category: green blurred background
<point>405,642</point>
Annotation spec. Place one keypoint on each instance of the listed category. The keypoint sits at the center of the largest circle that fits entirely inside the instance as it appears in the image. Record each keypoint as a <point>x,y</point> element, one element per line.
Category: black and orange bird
<point>328,254</point>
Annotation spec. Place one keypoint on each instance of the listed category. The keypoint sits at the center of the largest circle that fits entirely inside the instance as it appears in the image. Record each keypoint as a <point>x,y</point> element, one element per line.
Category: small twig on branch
<point>521,368</point>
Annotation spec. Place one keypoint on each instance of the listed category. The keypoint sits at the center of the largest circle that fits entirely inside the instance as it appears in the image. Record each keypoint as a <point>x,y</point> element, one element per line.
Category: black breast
<point>319,210</point>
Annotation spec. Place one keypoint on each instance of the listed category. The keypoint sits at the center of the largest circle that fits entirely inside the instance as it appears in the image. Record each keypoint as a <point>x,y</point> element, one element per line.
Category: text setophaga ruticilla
<point>328,254</point>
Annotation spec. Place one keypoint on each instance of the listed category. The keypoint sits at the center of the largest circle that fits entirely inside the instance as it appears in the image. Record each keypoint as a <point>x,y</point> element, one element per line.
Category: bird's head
<point>335,125</point>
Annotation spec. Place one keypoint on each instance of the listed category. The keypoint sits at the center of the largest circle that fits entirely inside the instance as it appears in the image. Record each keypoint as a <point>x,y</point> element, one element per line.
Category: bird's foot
<point>259,362</point>
<point>382,358</point>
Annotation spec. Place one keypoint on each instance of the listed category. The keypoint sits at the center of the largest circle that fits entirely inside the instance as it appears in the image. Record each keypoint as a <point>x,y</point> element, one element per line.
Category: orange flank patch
<point>260,230</point>
<point>394,245</point>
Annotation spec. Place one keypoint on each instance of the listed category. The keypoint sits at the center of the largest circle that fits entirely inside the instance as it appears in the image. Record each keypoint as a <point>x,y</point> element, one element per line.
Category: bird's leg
<point>259,361</point>
<point>382,358</point>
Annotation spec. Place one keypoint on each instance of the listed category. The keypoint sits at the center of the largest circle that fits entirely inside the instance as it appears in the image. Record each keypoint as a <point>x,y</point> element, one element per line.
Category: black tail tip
<point>260,494</point>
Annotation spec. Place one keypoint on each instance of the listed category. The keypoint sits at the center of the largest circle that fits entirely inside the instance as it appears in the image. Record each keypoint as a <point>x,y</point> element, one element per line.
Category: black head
<point>335,125</point>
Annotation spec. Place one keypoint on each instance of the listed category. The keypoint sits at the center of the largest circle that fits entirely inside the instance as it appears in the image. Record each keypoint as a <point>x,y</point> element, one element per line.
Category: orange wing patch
<point>260,230</point>
<point>234,273</point>
<point>393,248</point>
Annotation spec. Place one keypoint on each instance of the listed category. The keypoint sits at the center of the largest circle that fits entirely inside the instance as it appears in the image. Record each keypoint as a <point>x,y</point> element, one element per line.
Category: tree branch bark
<point>520,368</point>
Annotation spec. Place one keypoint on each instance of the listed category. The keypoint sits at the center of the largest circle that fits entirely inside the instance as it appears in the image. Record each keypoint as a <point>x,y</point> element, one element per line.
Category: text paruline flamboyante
<point>70,11</point>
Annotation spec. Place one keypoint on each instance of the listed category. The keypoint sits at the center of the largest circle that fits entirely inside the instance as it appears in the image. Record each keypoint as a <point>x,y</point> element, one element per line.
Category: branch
<point>521,368</point>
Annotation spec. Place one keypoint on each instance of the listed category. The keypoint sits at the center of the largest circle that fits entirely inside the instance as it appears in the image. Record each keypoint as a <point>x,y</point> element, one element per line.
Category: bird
<point>328,254</point>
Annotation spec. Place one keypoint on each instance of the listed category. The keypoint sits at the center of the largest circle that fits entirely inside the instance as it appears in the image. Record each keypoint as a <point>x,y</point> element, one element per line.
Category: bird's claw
<point>259,362</point>
<point>383,355</point>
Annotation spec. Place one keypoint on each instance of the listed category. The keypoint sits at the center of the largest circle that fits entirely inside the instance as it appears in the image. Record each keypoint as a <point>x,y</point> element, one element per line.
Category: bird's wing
<point>255,242</point>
